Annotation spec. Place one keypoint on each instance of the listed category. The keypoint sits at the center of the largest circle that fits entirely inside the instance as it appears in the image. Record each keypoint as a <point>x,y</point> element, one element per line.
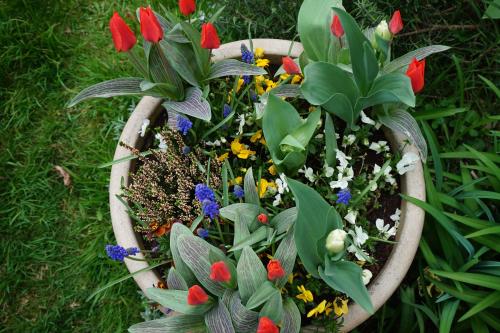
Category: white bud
<point>335,241</point>
<point>382,30</point>
<point>366,275</point>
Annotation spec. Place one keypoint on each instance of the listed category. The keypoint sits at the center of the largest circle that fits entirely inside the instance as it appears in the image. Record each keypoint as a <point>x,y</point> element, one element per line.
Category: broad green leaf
<point>447,315</point>
<point>244,320</point>
<point>421,53</point>
<point>402,121</point>
<point>291,317</point>
<point>286,253</point>
<point>345,276</point>
<point>183,61</point>
<point>248,211</point>
<point>172,324</point>
<point>273,309</point>
<point>251,274</point>
<point>117,87</point>
<point>177,230</point>
<point>364,62</point>
<point>265,291</point>
<point>311,228</point>
<point>233,67</point>
<point>492,298</point>
<point>241,231</point>
<point>162,72</point>
<point>218,319</point>
<point>483,280</point>
<point>177,301</point>
<point>284,90</point>
<point>340,106</point>
<point>284,220</point>
<point>251,195</point>
<point>194,105</point>
<point>175,280</point>
<point>388,88</point>
<point>300,136</point>
<point>255,237</point>
<point>195,252</point>
<point>313,25</point>
<point>202,55</point>
<point>330,141</point>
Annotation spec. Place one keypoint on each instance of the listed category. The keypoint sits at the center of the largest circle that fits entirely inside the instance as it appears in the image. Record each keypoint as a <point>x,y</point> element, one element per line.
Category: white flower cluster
<point>346,173</point>
<point>282,188</point>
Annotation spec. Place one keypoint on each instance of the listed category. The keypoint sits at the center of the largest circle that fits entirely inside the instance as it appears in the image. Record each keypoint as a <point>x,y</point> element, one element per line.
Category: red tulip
<point>415,72</point>
<point>266,325</point>
<point>290,66</point>
<point>150,27</point>
<point>187,7</point>
<point>263,218</point>
<point>123,38</point>
<point>274,270</point>
<point>396,23</point>
<point>209,38</point>
<point>219,272</point>
<point>196,295</point>
<point>336,27</point>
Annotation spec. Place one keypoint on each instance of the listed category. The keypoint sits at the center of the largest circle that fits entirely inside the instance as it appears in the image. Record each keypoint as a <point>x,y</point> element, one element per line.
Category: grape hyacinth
<point>203,192</point>
<point>238,192</point>
<point>246,56</point>
<point>343,196</point>
<point>226,111</point>
<point>210,208</point>
<point>183,124</point>
<point>118,253</point>
<point>186,150</point>
<point>203,233</point>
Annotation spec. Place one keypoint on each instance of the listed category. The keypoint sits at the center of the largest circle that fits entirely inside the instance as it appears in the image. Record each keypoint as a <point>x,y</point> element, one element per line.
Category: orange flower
<point>274,270</point>
<point>209,37</point>
<point>123,38</point>
<point>415,72</point>
<point>150,27</point>
<point>196,295</point>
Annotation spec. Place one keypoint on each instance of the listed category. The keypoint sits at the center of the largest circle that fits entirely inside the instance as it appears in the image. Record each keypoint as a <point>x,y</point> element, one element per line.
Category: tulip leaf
<point>218,319</point>
<point>251,195</point>
<point>286,253</point>
<point>273,308</point>
<point>346,277</point>
<point>233,67</point>
<point>247,211</point>
<point>315,18</point>
<point>240,232</point>
<point>330,142</point>
<point>172,324</point>
<point>402,62</point>
<point>388,88</point>
<point>251,274</point>
<point>183,61</point>
<point>284,220</point>
<point>177,230</point>
<point>244,320</point>
<point>162,71</point>
<point>117,87</point>
<point>265,291</point>
<point>175,280</point>
<point>291,317</point>
<point>257,236</point>
<point>177,301</point>
<point>314,221</point>
<point>194,105</point>
<point>202,55</point>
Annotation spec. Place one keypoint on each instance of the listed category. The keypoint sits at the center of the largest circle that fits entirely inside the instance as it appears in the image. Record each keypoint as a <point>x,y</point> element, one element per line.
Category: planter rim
<point>412,184</point>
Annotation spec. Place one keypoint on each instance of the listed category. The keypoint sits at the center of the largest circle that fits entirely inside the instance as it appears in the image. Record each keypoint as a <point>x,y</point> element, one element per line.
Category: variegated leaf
<point>291,317</point>
<point>286,254</point>
<point>244,320</point>
<point>251,195</point>
<point>173,324</point>
<point>117,87</point>
<point>405,60</point>
<point>218,320</point>
<point>175,280</point>
<point>251,273</point>
<point>229,67</point>
<point>273,309</point>
<point>177,301</point>
<point>194,105</point>
<point>179,229</point>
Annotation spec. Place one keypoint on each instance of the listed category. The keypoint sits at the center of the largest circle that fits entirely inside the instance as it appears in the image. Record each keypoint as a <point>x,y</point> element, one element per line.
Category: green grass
<point>53,236</point>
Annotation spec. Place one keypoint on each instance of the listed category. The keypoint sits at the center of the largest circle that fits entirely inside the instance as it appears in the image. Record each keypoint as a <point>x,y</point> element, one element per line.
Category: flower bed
<point>275,205</point>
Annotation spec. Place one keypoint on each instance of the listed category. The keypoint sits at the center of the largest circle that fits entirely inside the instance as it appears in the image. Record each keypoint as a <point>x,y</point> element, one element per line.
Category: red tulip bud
<point>187,7</point>
<point>150,27</point>
<point>266,325</point>
<point>416,72</point>
<point>274,270</point>
<point>336,27</point>
<point>209,38</point>
<point>396,23</point>
<point>123,38</point>
<point>196,295</point>
<point>219,272</point>
<point>263,218</point>
<point>290,66</point>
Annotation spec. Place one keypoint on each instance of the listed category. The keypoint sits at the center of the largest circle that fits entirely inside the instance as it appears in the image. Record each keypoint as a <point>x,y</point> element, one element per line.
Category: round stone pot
<point>412,184</point>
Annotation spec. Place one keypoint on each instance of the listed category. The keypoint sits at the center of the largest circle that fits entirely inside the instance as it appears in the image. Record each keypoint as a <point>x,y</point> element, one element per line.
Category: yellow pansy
<point>270,84</point>
<point>272,185</point>
<point>223,157</point>
<point>240,149</point>
<point>283,77</point>
<point>328,308</point>
<point>256,136</point>
<point>262,187</point>
<point>259,89</point>
<point>340,306</point>
<point>238,180</point>
<point>305,295</point>
<point>260,79</point>
<point>262,63</point>
<point>291,277</point>
<point>317,310</point>
<point>259,52</point>
<point>296,79</point>
<point>240,84</point>
<point>272,170</point>
<point>245,153</point>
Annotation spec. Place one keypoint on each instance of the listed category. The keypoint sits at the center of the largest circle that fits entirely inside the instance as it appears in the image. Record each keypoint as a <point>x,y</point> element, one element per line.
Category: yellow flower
<point>317,310</point>
<point>240,149</point>
<point>305,295</point>
<point>245,153</point>
<point>271,185</point>
<point>238,180</point>
<point>240,84</point>
<point>229,96</point>
<point>312,108</point>
<point>291,277</point>
<point>340,306</point>
<point>259,88</point>
<point>256,136</point>
<point>260,79</point>
<point>270,84</point>
<point>259,52</point>
<point>296,79</point>
<point>272,170</point>
<point>262,63</point>
<point>223,157</point>
<point>283,77</point>
<point>263,184</point>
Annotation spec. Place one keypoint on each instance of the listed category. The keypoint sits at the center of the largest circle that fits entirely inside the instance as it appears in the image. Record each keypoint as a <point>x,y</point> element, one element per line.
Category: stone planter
<point>412,184</point>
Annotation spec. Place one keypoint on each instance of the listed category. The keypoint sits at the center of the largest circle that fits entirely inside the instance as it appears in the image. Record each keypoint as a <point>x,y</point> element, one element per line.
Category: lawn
<point>54,234</point>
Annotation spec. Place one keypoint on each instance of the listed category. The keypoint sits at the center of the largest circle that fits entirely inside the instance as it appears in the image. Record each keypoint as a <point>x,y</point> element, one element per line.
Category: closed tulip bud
<point>187,7</point>
<point>396,23</point>
<point>219,272</point>
<point>274,270</point>
<point>290,66</point>
<point>415,72</point>
<point>336,27</point>
<point>209,38</point>
<point>150,27</point>
<point>123,37</point>
<point>335,241</point>
<point>263,218</point>
<point>266,325</point>
<point>382,30</point>
<point>196,295</point>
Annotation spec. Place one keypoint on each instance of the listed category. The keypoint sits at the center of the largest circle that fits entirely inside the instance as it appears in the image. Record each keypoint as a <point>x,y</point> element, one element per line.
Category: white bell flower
<point>277,200</point>
<point>329,171</point>
<point>309,174</point>
<point>366,275</point>
<point>351,216</point>
<point>343,159</point>
<point>348,140</point>
<point>358,253</point>
<point>407,163</point>
<point>241,119</point>
<point>281,184</point>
